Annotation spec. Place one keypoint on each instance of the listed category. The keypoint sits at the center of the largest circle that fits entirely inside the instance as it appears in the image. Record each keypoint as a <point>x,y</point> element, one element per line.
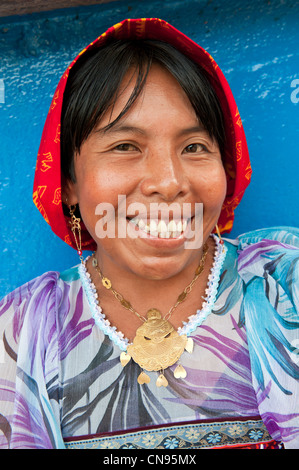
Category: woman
<point>166,336</point>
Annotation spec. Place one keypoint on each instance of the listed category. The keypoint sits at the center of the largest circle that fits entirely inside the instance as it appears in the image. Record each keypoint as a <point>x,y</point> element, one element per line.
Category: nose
<point>164,176</point>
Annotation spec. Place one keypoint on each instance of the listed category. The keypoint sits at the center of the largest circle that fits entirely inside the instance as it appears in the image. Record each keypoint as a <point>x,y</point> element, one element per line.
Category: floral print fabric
<point>244,433</point>
<point>60,374</point>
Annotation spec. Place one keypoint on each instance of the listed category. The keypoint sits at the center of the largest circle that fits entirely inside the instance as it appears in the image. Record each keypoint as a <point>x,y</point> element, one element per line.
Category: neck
<point>144,293</point>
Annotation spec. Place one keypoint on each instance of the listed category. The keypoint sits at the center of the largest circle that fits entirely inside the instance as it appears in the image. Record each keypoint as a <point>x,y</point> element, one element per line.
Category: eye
<point>167,336</point>
<point>195,148</point>
<point>125,147</point>
<point>148,339</point>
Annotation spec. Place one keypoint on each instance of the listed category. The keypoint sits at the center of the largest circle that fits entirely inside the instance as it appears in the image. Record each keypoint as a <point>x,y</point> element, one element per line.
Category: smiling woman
<point>167,336</point>
<point>147,159</point>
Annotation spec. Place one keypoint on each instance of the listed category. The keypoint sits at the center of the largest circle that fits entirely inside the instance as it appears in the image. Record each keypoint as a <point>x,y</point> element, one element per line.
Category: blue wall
<point>256,45</point>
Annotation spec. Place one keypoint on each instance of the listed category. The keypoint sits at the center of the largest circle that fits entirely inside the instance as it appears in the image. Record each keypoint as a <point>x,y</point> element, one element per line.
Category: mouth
<point>162,229</point>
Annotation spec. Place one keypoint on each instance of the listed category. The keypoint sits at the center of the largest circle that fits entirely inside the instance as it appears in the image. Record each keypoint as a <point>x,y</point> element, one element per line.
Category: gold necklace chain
<point>127,305</point>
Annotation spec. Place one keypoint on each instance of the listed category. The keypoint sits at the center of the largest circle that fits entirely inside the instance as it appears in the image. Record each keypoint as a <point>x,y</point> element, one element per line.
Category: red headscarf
<point>47,182</point>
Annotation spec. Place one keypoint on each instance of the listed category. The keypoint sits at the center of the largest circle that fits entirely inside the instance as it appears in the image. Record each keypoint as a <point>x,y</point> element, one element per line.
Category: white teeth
<point>168,234</point>
<point>172,226</point>
<point>164,234</point>
<point>179,226</point>
<point>141,224</point>
<point>161,229</point>
<point>153,228</point>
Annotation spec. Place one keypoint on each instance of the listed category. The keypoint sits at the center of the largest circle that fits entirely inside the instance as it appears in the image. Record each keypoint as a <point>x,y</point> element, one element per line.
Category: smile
<point>160,228</point>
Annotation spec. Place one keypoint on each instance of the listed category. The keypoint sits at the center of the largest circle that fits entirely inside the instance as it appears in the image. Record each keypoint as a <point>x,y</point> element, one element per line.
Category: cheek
<point>102,196</point>
<point>219,189</point>
<point>98,186</point>
<point>212,187</point>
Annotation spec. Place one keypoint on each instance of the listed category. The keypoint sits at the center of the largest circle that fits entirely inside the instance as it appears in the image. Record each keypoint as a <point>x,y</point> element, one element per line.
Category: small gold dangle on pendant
<point>180,372</point>
<point>162,380</point>
<point>124,358</point>
<point>143,378</point>
<point>189,345</point>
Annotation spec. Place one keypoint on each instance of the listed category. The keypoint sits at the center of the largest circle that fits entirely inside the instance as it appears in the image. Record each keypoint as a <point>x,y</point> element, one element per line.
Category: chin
<point>163,268</point>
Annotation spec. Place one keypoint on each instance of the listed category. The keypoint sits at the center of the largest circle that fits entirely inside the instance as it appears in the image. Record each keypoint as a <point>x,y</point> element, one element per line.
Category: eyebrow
<point>192,130</point>
<point>119,128</point>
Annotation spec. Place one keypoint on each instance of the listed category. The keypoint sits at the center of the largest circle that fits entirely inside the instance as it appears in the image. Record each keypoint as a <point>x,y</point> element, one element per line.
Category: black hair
<point>94,81</point>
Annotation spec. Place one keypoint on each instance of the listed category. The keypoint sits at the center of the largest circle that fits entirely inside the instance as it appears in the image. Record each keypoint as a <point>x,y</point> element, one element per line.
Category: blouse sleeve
<point>29,417</point>
<point>268,263</point>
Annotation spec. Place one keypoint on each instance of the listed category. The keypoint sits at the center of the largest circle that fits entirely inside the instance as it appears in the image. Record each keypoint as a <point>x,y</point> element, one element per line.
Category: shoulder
<point>41,287</point>
<point>272,250</point>
<point>37,300</point>
<point>272,236</point>
<point>31,310</point>
<point>31,316</point>
<point>287,237</point>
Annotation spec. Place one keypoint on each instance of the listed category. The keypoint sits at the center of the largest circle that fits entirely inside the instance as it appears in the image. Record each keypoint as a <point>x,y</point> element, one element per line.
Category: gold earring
<point>76,226</point>
<point>219,234</point>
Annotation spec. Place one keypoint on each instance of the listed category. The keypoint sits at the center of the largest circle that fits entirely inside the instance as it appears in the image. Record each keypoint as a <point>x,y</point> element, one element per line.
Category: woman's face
<point>157,153</point>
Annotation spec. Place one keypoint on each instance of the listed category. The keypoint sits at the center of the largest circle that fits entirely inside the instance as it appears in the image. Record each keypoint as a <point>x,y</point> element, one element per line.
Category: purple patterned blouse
<point>61,377</point>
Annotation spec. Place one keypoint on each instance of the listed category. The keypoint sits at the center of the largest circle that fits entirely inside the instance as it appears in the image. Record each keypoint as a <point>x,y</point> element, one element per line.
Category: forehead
<point>160,97</point>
